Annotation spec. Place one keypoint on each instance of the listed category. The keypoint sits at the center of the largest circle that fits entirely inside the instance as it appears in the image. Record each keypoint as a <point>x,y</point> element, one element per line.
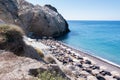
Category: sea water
<point>99,38</point>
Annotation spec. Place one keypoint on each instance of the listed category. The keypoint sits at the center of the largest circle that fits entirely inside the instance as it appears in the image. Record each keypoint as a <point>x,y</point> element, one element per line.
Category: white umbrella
<point>75,60</point>
<point>96,71</point>
<point>86,65</point>
<point>103,67</point>
<point>115,73</point>
<point>84,73</point>
<point>73,52</point>
<point>93,62</point>
<point>68,49</point>
<point>85,58</point>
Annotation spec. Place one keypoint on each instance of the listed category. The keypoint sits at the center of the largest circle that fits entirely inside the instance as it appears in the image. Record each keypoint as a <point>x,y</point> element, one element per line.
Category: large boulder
<point>35,19</point>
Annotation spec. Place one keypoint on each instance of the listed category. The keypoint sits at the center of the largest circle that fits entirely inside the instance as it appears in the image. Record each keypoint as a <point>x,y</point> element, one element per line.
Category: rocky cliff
<point>35,19</point>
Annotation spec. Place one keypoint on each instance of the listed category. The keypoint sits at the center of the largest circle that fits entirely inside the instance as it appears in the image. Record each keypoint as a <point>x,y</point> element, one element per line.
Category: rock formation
<point>35,19</point>
<point>18,58</point>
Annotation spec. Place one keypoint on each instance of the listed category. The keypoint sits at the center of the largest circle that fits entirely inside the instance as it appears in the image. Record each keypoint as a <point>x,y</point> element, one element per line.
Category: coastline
<point>98,60</point>
<point>77,64</point>
<point>110,65</point>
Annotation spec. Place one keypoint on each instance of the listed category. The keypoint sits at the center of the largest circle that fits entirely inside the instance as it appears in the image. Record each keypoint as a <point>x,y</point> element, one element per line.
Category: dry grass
<point>5,28</point>
<point>11,38</point>
<point>40,52</point>
<point>49,59</point>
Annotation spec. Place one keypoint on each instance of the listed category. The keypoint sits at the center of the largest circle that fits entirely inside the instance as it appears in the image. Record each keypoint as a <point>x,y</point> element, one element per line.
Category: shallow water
<point>99,38</point>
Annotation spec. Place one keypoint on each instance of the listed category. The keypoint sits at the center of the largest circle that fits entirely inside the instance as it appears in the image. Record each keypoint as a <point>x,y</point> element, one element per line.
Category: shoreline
<point>95,58</point>
<point>98,60</point>
<point>91,54</point>
<point>77,64</point>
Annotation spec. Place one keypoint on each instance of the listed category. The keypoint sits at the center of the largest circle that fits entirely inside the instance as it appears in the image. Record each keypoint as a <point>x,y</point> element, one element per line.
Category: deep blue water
<point>100,38</point>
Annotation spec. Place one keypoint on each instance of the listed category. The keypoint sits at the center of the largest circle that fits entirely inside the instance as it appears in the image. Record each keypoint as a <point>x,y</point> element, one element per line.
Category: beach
<point>99,38</point>
<point>99,61</point>
<point>92,65</point>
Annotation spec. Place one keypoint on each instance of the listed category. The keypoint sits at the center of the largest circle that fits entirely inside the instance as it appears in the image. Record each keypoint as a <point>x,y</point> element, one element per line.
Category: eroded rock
<point>34,19</point>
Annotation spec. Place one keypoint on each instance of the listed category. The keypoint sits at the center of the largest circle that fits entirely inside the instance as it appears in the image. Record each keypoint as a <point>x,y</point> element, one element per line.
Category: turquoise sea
<point>99,38</point>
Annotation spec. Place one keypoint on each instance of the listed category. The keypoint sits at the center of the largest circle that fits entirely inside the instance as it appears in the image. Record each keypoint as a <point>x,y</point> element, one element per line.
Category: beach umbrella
<point>64,47</point>
<point>85,58</point>
<point>86,65</point>
<point>103,67</point>
<point>109,77</point>
<point>68,49</point>
<point>115,73</point>
<point>73,52</point>
<point>91,78</point>
<point>61,45</point>
<point>75,60</point>
<point>96,71</point>
<point>93,62</point>
<point>77,54</point>
<point>71,67</point>
<point>57,44</point>
<point>57,51</point>
<point>53,46</point>
<point>84,73</point>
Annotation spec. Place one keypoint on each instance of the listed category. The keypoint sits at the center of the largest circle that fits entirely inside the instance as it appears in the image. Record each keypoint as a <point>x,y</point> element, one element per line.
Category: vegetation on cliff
<point>11,38</point>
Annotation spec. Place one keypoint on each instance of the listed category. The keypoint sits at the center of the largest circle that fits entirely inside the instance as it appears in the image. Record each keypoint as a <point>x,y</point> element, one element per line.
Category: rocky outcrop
<point>13,67</point>
<point>34,19</point>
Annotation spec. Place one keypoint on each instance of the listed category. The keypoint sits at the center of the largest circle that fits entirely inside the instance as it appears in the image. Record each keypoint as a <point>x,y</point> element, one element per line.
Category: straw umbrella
<point>109,77</point>
<point>115,73</point>
<point>86,65</point>
<point>91,78</point>
<point>103,67</point>
<point>93,62</point>
<point>84,73</point>
<point>85,58</point>
<point>96,71</point>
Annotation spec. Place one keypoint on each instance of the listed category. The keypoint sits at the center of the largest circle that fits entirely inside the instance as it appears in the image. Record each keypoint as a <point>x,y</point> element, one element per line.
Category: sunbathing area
<point>81,65</point>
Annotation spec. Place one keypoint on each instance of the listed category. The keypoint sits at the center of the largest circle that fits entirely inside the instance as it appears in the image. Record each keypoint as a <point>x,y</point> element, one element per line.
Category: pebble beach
<point>82,65</point>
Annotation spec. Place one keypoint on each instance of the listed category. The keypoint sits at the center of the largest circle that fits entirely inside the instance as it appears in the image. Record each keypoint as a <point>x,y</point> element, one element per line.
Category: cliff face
<point>35,19</point>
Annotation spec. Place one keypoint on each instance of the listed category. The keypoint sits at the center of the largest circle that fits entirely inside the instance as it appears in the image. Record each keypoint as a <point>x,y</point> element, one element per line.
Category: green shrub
<point>47,75</point>
<point>5,28</point>
<point>11,38</point>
